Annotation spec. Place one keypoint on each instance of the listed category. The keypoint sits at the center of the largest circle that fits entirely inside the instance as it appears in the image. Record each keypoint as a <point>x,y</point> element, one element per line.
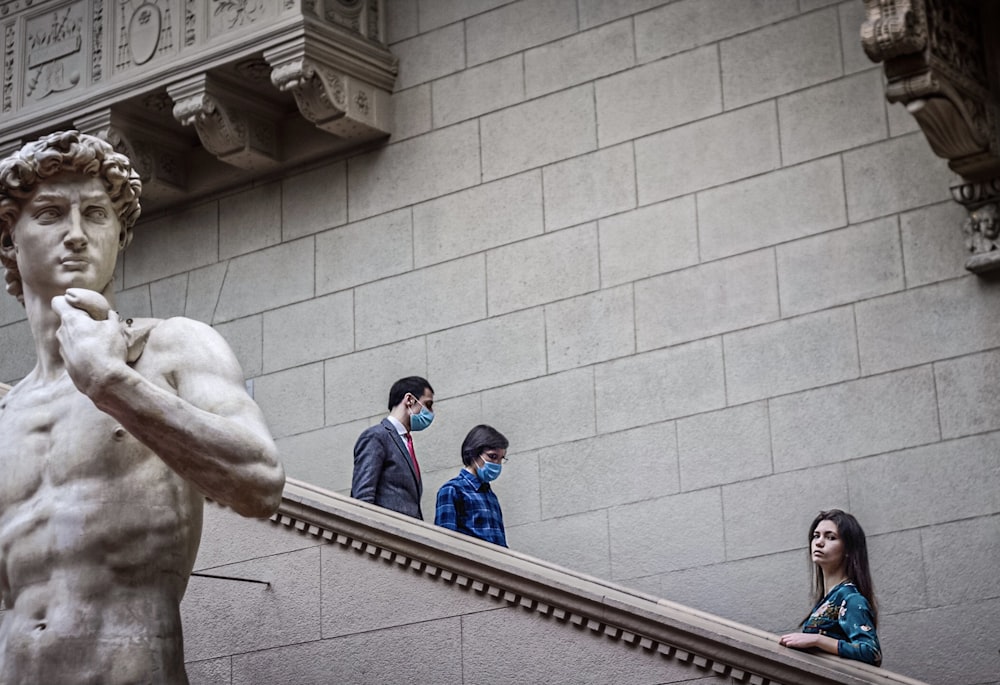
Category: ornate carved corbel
<point>235,128</point>
<point>154,153</point>
<point>936,63</point>
<point>326,95</point>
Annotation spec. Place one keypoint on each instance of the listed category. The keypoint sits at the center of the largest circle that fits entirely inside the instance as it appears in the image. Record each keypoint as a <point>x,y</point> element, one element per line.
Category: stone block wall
<point>684,255</point>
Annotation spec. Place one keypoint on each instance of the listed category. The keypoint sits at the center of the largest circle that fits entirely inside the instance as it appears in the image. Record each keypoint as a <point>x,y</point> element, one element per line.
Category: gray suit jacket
<point>383,471</point>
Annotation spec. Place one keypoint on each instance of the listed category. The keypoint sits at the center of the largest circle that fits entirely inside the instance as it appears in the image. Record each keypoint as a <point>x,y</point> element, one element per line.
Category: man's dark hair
<point>480,439</point>
<point>415,385</point>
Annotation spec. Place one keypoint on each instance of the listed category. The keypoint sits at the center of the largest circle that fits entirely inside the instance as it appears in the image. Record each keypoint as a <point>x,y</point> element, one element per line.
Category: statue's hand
<point>91,339</point>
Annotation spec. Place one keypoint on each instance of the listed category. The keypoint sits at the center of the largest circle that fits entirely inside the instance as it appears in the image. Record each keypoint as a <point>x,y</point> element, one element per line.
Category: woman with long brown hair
<point>844,619</point>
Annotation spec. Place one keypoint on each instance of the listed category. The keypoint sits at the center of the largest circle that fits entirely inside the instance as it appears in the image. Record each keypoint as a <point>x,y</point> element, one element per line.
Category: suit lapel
<point>397,439</point>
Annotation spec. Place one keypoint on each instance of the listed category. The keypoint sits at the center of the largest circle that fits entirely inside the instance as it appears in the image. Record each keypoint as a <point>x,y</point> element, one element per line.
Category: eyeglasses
<point>494,458</point>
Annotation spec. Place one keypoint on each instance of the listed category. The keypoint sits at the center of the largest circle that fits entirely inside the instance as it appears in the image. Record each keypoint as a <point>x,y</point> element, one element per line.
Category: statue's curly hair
<point>64,151</point>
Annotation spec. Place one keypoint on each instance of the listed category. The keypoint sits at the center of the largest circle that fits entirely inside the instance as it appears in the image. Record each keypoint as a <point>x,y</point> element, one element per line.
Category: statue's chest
<point>57,435</point>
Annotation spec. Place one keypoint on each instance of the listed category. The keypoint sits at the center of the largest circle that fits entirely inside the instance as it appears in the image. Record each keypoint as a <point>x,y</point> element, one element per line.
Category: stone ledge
<point>656,626</point>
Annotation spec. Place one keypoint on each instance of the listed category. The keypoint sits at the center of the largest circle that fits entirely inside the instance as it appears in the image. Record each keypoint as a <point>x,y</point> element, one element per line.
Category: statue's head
<point>72,152</point>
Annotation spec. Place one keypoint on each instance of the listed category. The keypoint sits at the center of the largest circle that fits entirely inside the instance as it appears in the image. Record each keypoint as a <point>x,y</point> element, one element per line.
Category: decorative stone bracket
<point>939,63</point>
<point>201,94</point>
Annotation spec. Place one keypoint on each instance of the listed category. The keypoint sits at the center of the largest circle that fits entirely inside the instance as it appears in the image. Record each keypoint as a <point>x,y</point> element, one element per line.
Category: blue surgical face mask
<point>421,420</point>
<point>488,471</point>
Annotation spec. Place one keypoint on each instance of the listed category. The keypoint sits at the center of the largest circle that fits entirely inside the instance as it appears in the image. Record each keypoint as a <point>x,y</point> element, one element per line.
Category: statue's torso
<point>97,538</point>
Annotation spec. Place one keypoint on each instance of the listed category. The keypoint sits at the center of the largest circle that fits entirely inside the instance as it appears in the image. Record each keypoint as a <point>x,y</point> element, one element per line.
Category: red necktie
<point>413,455</point>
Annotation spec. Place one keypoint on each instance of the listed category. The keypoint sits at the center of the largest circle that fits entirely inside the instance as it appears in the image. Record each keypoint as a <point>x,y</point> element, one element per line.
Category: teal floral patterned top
<point>845,615</point>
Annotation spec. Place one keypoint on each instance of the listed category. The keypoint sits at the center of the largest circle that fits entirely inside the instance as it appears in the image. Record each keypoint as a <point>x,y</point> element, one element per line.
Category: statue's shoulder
<point>176,334</point>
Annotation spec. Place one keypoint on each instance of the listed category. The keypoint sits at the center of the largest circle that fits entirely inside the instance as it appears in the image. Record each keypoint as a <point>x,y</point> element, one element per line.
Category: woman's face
<point>826,547</point>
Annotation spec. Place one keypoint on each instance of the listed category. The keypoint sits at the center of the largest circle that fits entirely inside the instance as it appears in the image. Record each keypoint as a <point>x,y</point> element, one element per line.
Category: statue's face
<point>67,235</point>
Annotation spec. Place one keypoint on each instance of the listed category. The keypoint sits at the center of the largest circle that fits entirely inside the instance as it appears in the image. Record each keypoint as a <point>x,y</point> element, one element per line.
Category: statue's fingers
<point>89,301</point>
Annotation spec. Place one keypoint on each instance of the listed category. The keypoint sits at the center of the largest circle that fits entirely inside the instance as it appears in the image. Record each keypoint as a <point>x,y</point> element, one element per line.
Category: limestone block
<point>918,486</point>
<point>538,132</point>
<point>648,241</point>
<point>647,99</point>
<point>134,302</point>
<point>417,653</point>
<point>430,55</point>
<point>167,297</point>
<point>18,347</point>
<point>772,514</point>
<point>913,644</point>
<point>210,671</point>
<point>790,355</point>
<point>314,201</point>
<point>901,122</point>
<point>898,571</point>
<point>548,650</point>
<point>839,267</point>
<point>683,25</point>
<point>724,446</point>
<point>518,26</point>
<point>253,284</point>
<point>439,447</point>
<point>706,153</point>
<point>852,16</point>
<point>357,385</point>
<point>781,58</point>
<point>434,308</point>
<point>203,288</point>
<point>324,457</point>
<point>608,470</point>
<point>834,116</point>
<point>590,328</point>
<point>245,339</point>
<point>957,572</point>
<point>893,176</point>
<point>543,411</point>
<point>932,249</point>
<point>364,251</point>
<point>223,617</point>
<point>589,187</point>
<point>518,488</point>
<point>772,208</point>
<point>432,482</point>
<point>228,538</point>
<point>667,533</point>
<point>579,58</point>
<point>292,400</point>
<point>854,419</point>
<point>967,397</point>
<point>477,219</point>
<point>436,13</point>
<point>724,589</point>
<point>417,169</point>
<point>488,353</point>
<point>411,112</point>
<point>809,5</point>
<point>400,20</point>
<point>542,269</point>
<point>706,300</point>
<point>658,385</point>
<point>361,594</point>
<point>919,325</point>
<point>579,542</point>
<point>250,220</point>
<point>308,331</point>
<point>478,90</point>
<point>172,245</point>
<point>594,12</point>
<point>10,309</point>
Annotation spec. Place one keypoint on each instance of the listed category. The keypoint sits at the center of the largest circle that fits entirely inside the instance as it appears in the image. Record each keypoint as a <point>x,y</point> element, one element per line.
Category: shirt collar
<point>400,428</point>
<point>476,481</point>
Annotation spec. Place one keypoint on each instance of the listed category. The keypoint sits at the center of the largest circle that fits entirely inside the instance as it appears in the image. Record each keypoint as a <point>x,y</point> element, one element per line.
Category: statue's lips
<point>74,261</point>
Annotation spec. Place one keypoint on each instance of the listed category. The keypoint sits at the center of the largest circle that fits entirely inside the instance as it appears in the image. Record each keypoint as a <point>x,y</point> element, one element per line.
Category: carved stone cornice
<point>233,127</point>
<point>936,64</point>
<point>65,61</point>
<point>654,627</point>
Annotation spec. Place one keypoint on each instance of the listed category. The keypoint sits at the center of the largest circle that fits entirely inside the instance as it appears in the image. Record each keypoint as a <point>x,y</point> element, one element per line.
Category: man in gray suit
<point>386,471</point>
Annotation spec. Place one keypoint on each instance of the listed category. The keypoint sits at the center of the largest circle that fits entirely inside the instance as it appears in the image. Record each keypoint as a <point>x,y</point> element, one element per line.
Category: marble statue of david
<point>110,444</point>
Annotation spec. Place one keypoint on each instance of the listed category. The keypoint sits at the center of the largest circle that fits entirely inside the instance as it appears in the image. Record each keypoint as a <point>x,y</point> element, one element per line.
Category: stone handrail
<point>709,642</point>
